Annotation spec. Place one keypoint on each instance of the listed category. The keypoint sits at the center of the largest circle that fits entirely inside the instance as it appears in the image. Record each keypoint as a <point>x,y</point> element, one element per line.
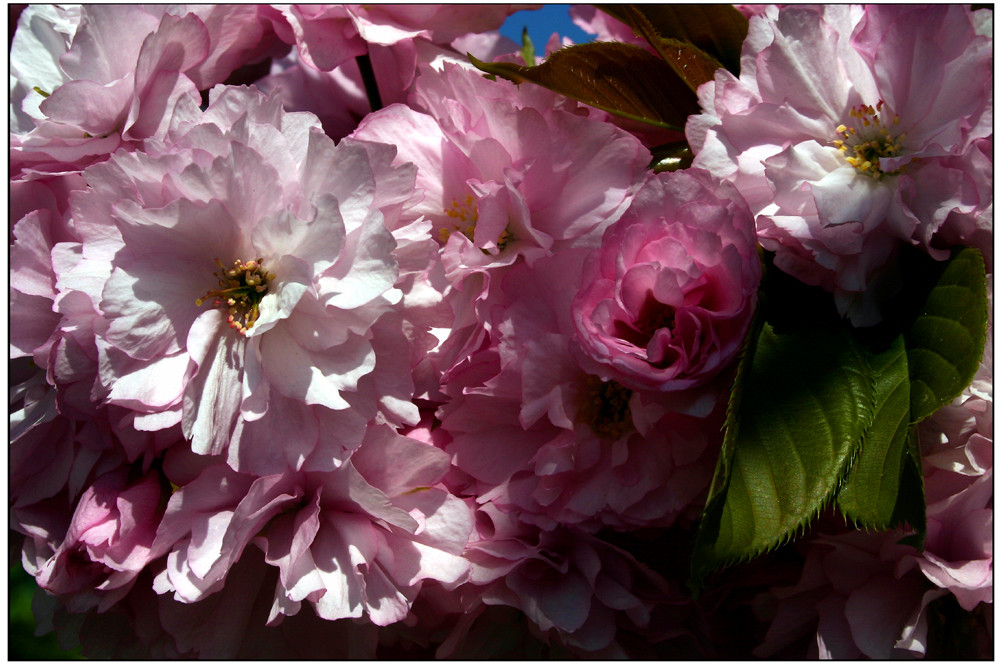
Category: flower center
<point>465,215</point>
<point>604,407</point>
<point>864,147</point>
<point>241,288</point>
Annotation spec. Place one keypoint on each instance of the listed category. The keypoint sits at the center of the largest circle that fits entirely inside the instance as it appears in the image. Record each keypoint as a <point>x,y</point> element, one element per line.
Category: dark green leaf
<point>690,63</point>
<point>718,30</point>
<point>618,78</point>
<point>870,494</point>
<point>945,342</point>
<point>796,419</point>
<point>911,505</point>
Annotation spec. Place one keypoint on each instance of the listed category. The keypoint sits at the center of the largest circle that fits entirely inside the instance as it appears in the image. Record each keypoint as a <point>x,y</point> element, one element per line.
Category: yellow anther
<point>863,149</point>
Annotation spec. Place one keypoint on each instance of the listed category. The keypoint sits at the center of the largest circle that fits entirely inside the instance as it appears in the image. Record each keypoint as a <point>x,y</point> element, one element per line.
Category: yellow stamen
<point>241,288</point>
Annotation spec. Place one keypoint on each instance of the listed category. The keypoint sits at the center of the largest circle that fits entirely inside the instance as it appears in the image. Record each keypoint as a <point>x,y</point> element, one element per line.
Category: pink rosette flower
<point>357,541</point>
<point>247,265</point>
<point>337,97</point>
<point>845,133</point>
<point>668,298</point>
<point>32,276</point>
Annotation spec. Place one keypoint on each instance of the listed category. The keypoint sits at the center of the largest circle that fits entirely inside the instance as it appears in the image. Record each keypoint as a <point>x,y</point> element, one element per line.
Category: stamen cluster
<point>241,289</point>
<point>863,148</point>
<point>465,215</point>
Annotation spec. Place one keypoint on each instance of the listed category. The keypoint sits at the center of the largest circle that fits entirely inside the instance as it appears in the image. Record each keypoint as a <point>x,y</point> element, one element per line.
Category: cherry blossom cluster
<point>291,377</point>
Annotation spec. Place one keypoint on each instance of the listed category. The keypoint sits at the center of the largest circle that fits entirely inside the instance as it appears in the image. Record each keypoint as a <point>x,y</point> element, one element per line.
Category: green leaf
<point>945,343</point>
<point>671,157</point>
<point>801,404</point>
<point>870,495</point>
<point>619,78</point>
<point>717,30</point>
<point>527,48</point>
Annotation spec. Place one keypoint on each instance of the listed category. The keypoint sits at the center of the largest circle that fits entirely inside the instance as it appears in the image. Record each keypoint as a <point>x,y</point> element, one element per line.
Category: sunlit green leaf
<point>798,415</point>
<point>945,343</point>
<point>619,78</point>
<point>690,63</point>
<point>671,157</point>
<point>718,30</point>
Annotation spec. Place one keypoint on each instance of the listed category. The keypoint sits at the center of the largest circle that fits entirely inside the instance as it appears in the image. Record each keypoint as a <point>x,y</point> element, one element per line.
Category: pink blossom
<point>108,541</point>
<point>855,600</point>
<point>839,152</point>
<point>579,590</point>
<point>54,317</point>
<point>329,35</point>
<point>541,434</point>
<point>263,204</point>
<point>87,104</point>
<point>505,178</point>
<point>336,97</point>
<point>352,542</point>
<point>227,626</point>
<point>73,103</point>
<point>605,27</point>
<point>668,298</point>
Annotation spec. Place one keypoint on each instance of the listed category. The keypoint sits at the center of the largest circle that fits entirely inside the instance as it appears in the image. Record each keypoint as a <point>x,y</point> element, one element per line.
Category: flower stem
<point>371,86</point>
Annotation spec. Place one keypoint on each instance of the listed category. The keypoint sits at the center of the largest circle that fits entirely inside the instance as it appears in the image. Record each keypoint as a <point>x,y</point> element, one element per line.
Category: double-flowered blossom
<point>847,132</point>
<point>107,543</point>
<point>356,541</point>
<point>247,264</point>
<point>581,591</point>
<point>325,344</point>
<point>329,35</point>
<point>505,177</point>
<point>87,80</point>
